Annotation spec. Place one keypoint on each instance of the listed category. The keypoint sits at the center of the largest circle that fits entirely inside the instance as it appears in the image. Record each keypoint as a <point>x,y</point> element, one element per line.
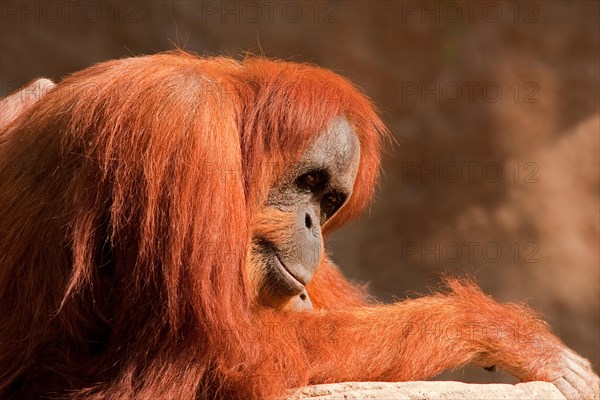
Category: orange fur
<point>127,199</point>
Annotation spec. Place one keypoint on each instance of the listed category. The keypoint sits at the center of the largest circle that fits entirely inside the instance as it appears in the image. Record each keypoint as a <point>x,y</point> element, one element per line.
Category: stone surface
<point>438,390</point>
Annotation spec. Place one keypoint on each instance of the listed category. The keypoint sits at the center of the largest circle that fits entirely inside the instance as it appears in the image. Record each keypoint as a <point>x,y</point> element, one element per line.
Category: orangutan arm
<point>417,339</point>
<point>330,290</point>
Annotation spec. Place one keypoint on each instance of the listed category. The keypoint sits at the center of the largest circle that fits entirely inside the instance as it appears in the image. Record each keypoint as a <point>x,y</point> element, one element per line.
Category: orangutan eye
<point>331,202</point>
<point>312,180</point>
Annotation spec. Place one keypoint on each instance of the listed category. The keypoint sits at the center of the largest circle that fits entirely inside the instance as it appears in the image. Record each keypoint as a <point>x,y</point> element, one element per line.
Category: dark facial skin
<point>311,192</point>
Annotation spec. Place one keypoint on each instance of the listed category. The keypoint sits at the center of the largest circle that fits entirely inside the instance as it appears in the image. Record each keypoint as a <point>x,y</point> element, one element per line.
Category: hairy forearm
<point>419,338</point>
<point>404,341</point>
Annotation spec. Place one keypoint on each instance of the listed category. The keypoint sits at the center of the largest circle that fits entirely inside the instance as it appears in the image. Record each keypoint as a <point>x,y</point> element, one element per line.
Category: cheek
<point>255,269</point>
<point>274,225</point>
<point>271,225</point>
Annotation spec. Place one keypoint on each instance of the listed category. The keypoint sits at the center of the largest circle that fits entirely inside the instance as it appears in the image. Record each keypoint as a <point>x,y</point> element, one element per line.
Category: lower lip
<point>287,273</point>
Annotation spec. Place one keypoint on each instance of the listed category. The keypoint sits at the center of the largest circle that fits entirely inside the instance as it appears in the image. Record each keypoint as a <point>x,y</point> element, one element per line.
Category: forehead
<point>338,148</point>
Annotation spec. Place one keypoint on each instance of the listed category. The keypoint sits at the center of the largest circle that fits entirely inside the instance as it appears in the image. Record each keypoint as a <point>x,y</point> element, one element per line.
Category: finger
<point>584,390</point>
<point>584,363</point>
<point>587,376</point>
<point>584,369</point>
<point>566,389</point>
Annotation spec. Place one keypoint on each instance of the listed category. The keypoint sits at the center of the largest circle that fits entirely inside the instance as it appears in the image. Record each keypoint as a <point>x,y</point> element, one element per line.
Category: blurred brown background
<point>494,105</point>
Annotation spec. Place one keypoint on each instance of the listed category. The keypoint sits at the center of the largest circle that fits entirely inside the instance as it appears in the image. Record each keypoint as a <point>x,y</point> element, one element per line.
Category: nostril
<point>308,221</point>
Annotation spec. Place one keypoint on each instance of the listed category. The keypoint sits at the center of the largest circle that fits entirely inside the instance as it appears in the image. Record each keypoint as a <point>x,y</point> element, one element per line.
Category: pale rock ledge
<point>430,390</point>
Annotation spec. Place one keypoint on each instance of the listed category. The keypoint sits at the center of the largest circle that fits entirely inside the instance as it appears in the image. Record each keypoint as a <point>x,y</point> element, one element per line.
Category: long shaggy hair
<point>126,200</point>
